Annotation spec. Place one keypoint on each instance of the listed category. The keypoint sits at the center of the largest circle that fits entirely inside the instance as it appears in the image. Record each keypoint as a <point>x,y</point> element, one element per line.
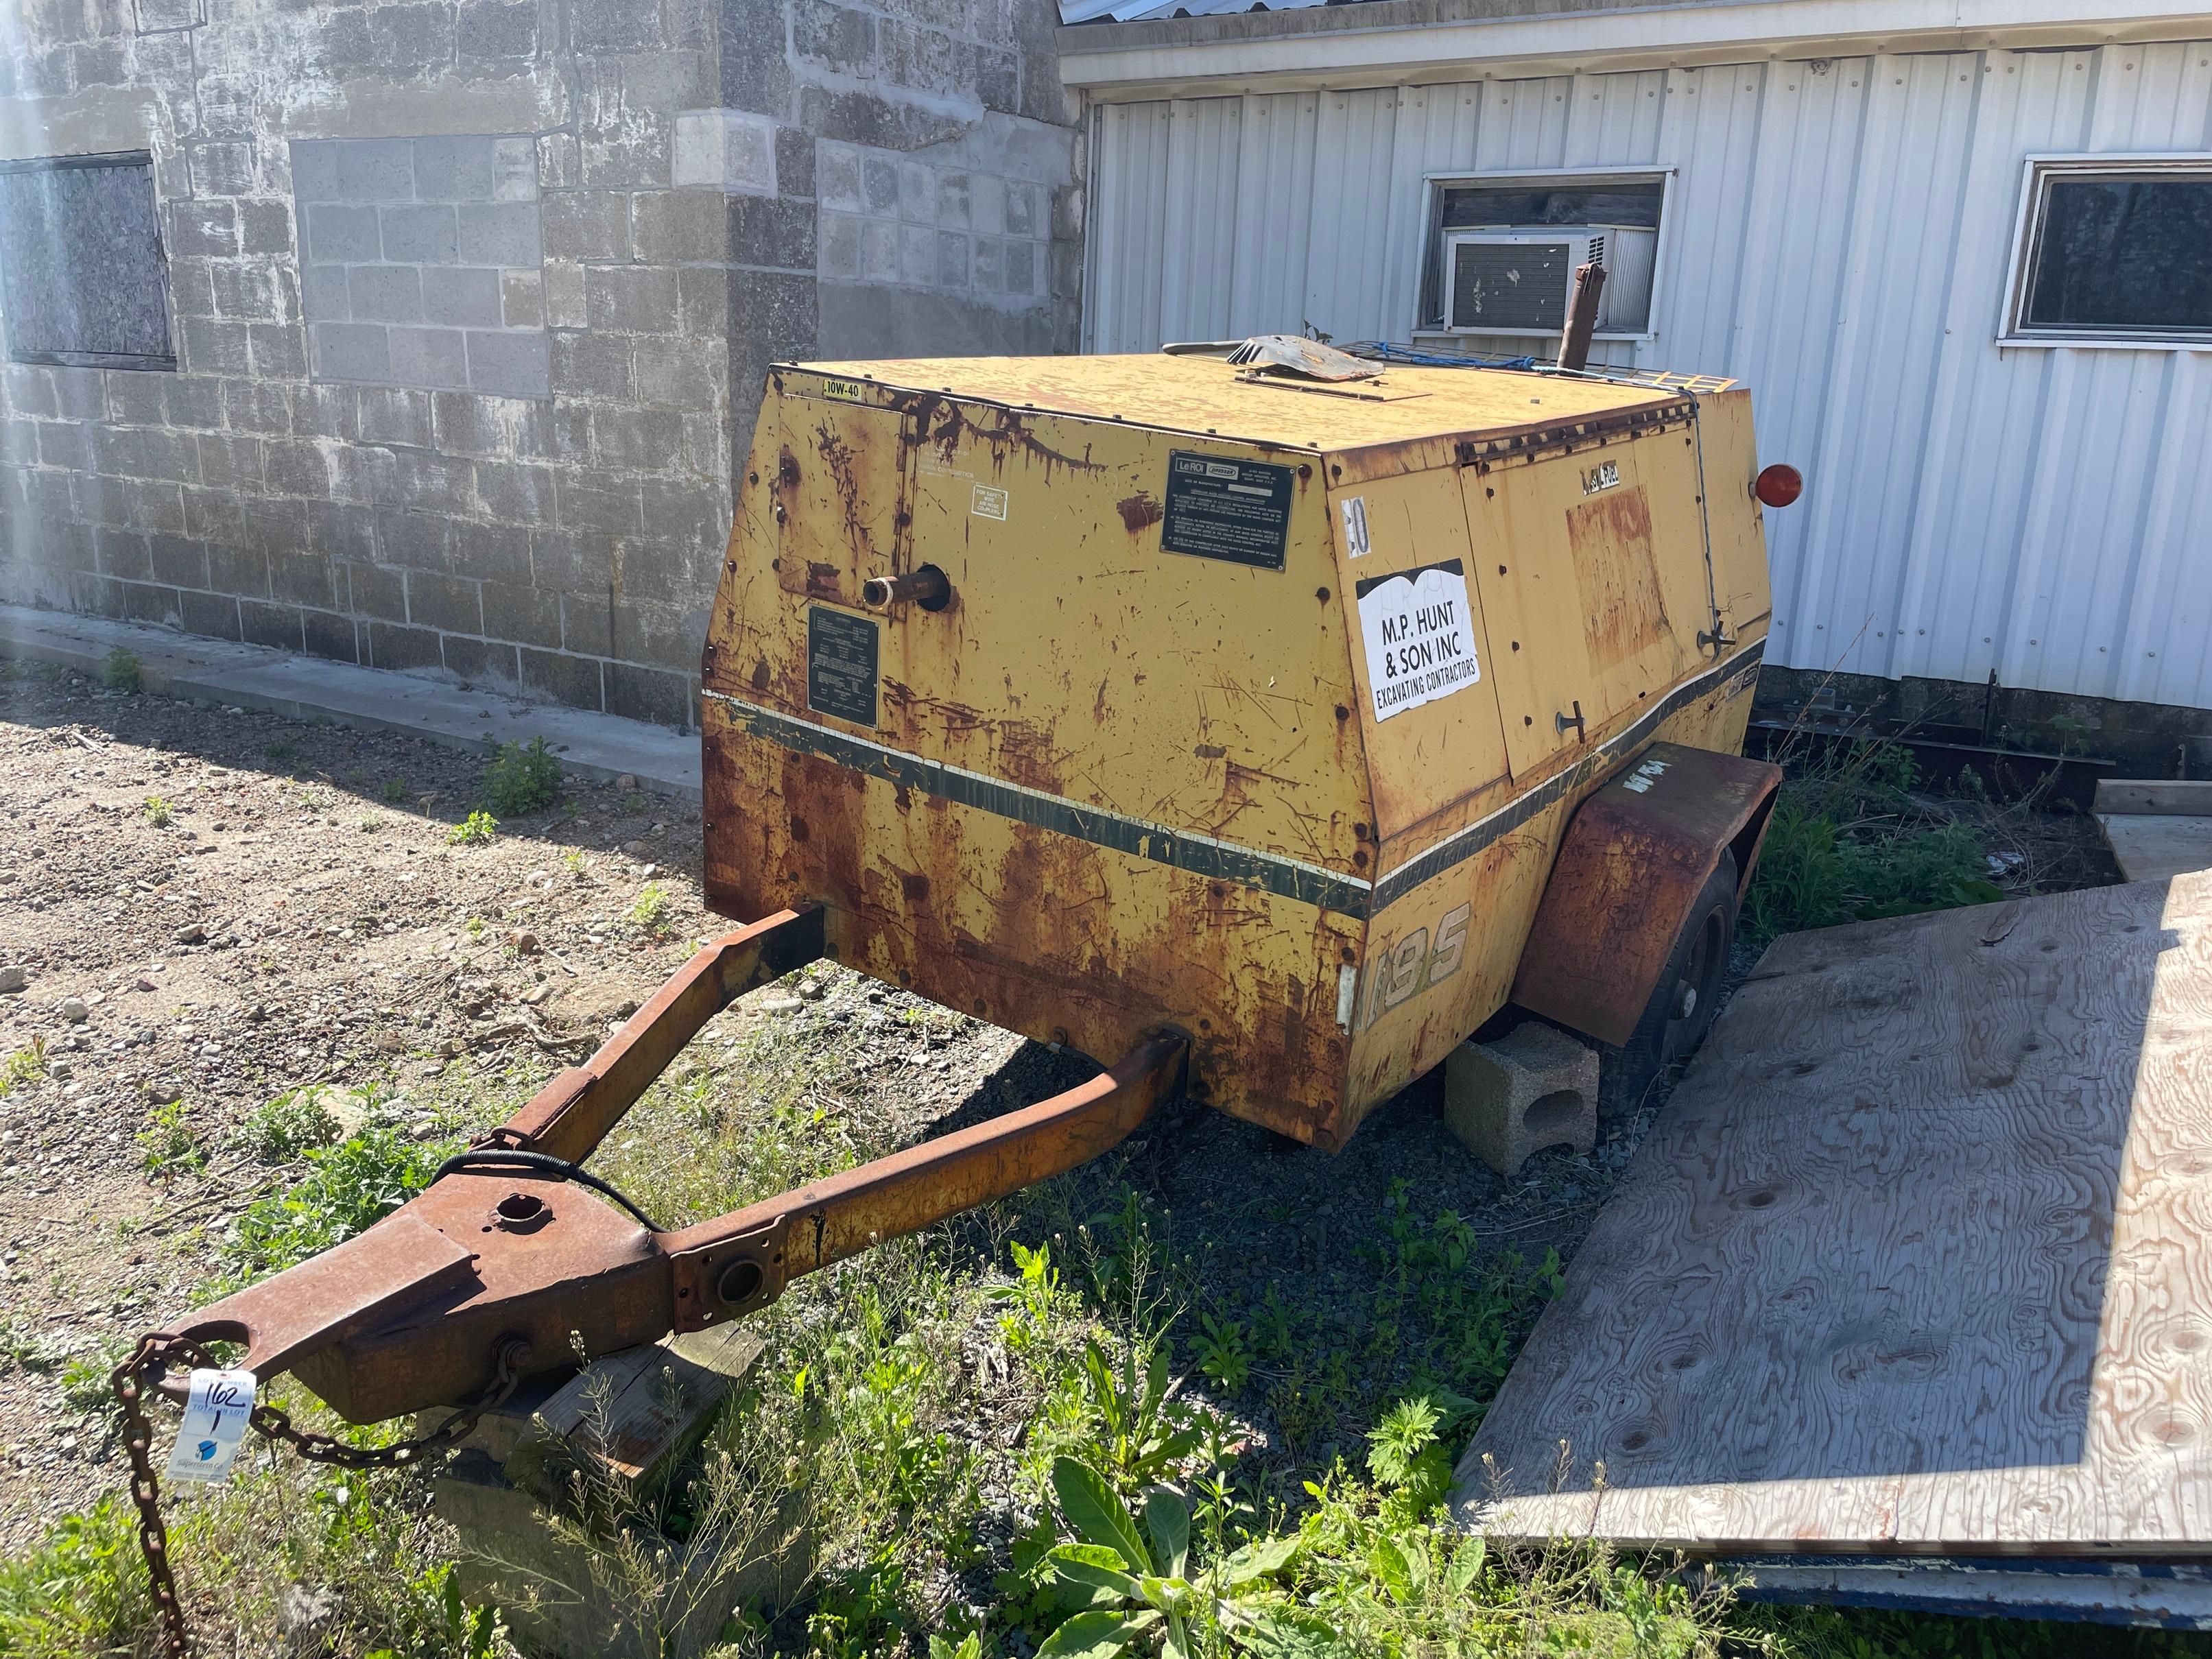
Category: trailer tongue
<point>1238,727</point>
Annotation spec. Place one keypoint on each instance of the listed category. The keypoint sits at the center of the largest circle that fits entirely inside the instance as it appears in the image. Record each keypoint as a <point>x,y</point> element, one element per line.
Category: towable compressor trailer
<point>1260,727</point>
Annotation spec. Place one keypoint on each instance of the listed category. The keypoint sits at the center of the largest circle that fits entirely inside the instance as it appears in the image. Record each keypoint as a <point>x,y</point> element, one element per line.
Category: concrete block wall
<point>473,300</point>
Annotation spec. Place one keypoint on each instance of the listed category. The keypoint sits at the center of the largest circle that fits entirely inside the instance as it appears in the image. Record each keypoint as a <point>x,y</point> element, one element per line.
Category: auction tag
<point>216,1414</point>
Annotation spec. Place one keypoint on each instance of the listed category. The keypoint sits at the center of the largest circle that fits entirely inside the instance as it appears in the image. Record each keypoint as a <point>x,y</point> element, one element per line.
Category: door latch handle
<point>1572,723</point>
<point>1719,639</point>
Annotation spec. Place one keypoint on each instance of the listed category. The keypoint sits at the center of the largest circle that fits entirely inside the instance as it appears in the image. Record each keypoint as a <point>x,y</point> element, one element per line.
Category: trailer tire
<point>1669,1031</point>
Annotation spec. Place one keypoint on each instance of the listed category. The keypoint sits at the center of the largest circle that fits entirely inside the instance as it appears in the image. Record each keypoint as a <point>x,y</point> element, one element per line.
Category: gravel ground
<point>301,917</point>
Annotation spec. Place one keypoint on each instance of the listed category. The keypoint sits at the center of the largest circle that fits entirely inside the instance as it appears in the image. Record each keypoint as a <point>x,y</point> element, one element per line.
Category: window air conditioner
<point>1518,279</point>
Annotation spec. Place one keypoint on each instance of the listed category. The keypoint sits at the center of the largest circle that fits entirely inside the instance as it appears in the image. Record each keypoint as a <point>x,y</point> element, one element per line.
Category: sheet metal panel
<point>1838,233</point>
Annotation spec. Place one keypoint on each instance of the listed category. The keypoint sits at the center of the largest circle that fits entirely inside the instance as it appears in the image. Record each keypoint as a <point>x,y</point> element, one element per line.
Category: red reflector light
<point>1779,485</point>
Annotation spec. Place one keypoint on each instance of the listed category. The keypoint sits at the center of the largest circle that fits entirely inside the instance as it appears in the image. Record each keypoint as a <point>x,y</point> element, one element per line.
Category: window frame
<point>1433,185</point>
<point>122,360</point>
<point>2037,171</point>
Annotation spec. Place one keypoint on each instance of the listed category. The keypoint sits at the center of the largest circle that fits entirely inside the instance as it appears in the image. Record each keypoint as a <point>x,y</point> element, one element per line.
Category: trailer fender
<point>1634,858</point>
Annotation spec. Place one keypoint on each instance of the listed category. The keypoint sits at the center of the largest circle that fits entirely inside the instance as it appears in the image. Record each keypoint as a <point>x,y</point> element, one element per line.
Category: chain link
<point>155,1352</point>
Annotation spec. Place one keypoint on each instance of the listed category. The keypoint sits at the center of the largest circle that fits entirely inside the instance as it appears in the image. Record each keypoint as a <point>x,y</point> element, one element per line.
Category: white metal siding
<point>1837,235</point>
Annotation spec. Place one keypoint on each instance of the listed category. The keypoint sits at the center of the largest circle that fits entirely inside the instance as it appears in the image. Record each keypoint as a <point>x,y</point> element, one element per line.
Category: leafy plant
<point>169,1143</point>
<point>1029,1300</point>
<point>1221,1352</point>
<point>348,1186</point>
<point>78,1591</point>
<point>119,672</point>
<point>26,1066</point>
<point>475,830</point>
<point>1122,1415</point>
<point>650,914</point>
<point>159,812</point>
<point>279,1130</point>
<point>521,779</point>
<point>1145,1592</point>
<point>395,790</point>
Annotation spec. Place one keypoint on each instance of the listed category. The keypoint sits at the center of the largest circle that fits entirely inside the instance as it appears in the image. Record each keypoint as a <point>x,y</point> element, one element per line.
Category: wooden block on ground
<point>635,1415</point>
<point>2165,797</point>
<point>2153,846</point>
<point>558,1596</point>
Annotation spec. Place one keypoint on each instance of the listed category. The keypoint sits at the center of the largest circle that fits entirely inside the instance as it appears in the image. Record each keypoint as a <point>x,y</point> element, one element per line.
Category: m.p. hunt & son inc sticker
<point>1419,629</point>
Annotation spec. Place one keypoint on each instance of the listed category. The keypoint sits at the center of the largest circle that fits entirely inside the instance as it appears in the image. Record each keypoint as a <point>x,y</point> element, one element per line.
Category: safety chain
<point>156,1352</point>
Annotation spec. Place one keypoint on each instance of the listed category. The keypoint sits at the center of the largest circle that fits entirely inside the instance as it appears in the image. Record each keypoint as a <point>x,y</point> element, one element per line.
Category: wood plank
<point>2163,797</point>
<point>639,1411</point>
<point>1918,1258</point>
<point>2153,847</point>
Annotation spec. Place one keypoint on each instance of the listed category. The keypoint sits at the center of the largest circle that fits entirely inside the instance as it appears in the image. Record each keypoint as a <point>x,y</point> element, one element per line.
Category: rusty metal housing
<point>1253,706</point>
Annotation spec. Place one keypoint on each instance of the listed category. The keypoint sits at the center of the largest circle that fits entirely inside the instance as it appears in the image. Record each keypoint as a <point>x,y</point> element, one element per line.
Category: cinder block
<point>459,296</point>
<point>385,293</point>
<point>837,176</point>
<point>514,162</point>
<point>522,299</point>
<point>492,28</point>
<point>589,224</point>
<point>337,231</point>
<point>511,363</point>
<point>322,294</point>
<point>879,189</point>
<point>631,300</point>
<point>375,169</point>
<point>455,169</point>
<point>1535,1088</point>
<point>351,351</point>
<point>499,233</point>
<point>724,149</point>
<point>420,233</point>
<point>433,357</point>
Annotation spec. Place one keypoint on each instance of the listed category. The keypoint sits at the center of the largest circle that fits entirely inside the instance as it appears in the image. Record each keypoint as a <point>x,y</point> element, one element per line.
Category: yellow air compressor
<point>1095,695</point>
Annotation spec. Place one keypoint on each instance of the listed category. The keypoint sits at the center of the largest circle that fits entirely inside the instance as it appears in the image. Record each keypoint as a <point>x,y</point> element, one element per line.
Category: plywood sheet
<point>2153,846</point>
<point>1918,1258</point>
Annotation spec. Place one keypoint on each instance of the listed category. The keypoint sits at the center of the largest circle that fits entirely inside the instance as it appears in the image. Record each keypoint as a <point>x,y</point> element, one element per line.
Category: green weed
<point>475,830</point>
<point>23,1067</point>
<point>119,672</point>
<point>521,779</point>
<point>279,1130</point>
<point>348,1186</point>
<point>650,914</point>
<point>159,811</point>
<point>395,791</point>
<point>169,1142</point>
<point>1851,841</point>
<point>81,1590</point>
<point>279,749</point>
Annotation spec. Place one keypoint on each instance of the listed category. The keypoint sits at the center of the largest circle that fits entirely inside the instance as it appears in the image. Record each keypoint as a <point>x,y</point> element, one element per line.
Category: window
<point>1499,244</point>
<point>2112,250</point>
<point>82,279</point>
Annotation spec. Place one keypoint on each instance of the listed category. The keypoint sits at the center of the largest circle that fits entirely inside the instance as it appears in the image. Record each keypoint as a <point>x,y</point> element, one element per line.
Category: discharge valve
<point>929,588</point>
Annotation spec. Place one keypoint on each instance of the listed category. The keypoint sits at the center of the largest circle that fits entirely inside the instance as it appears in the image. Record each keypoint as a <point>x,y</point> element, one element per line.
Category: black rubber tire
<point>1667,1034</point>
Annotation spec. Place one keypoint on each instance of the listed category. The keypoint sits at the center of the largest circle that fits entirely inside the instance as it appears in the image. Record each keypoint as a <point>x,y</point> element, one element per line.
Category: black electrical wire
<point>493,1159</point>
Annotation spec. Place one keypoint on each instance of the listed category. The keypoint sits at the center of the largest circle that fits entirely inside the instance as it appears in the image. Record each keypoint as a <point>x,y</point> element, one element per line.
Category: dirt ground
<point>301,917</point>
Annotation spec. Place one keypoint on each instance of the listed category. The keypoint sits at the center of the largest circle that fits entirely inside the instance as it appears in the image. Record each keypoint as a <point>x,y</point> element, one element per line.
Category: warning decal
<point>1419,632</point>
